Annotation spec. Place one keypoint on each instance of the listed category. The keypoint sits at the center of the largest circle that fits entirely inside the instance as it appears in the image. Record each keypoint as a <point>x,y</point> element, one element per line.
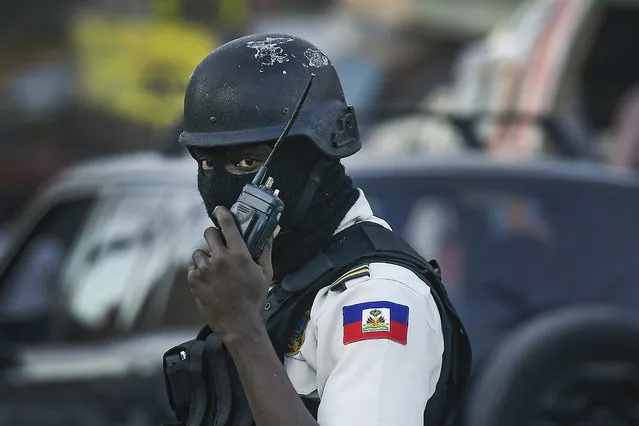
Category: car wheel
<point>578,366</point>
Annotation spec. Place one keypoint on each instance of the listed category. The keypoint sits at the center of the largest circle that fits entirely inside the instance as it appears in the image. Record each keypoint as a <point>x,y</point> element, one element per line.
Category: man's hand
<point>230,288</point>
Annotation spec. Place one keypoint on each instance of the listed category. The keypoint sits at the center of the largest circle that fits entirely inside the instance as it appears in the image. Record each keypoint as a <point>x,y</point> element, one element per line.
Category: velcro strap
<point>219,382</point>
<point>199,395</point>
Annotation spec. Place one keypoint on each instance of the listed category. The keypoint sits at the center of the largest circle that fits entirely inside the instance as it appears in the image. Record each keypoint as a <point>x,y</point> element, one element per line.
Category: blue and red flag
<point>375,320</point>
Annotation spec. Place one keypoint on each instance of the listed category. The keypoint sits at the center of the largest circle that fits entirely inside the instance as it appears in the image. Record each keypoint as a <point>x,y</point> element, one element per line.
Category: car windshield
<point>549,242</point>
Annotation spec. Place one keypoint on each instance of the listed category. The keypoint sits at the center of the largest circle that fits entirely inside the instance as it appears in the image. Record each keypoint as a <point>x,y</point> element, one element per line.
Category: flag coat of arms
<point>375,320</point>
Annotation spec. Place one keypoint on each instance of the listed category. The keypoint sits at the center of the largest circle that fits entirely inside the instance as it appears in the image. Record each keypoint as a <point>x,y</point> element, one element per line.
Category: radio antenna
<point>259,177</point>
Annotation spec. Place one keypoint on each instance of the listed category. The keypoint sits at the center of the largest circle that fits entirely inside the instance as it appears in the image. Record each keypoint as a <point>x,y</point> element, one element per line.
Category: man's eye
<point>207,166</point>
<point>247,163</point>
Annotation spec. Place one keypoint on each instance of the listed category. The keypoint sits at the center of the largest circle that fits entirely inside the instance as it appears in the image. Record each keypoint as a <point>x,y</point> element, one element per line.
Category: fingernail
<point>277,231</point>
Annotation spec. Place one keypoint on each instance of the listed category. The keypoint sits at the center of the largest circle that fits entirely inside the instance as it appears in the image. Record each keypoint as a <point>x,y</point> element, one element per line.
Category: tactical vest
<point>203,385</point>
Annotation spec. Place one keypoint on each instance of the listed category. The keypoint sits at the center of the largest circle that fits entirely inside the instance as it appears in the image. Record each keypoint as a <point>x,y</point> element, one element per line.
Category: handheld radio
<point>258,209</point>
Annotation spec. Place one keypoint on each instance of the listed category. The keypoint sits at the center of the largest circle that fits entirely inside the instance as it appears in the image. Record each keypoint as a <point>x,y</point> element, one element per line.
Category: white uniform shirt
<point>382,366</point>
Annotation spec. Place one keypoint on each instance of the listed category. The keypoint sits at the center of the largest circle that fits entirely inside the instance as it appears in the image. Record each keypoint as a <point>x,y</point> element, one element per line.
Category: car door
<point>29,292</point>
<point>30,283</point>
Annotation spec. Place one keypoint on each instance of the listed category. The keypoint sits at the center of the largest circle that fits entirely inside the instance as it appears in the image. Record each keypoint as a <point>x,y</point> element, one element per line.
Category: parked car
<point>92,281</point>
<point>92,292</point>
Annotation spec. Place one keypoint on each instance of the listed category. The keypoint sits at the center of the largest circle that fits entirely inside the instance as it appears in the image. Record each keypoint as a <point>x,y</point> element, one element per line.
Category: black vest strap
<point>223,399</point>
<point>218,367</point>
<point>307,274</point>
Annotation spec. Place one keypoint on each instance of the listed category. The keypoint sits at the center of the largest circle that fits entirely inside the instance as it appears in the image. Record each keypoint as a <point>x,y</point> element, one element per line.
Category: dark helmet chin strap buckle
<point>309,190</point>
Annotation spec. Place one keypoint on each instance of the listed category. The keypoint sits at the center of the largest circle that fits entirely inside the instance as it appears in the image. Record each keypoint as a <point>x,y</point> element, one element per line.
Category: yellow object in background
<point>139,68</point>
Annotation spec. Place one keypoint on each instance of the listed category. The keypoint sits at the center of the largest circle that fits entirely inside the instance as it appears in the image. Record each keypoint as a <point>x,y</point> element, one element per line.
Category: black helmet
<point>246,90</point>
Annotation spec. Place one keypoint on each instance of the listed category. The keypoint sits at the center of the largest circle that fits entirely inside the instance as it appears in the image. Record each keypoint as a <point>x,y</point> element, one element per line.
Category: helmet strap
<point>309,190</point>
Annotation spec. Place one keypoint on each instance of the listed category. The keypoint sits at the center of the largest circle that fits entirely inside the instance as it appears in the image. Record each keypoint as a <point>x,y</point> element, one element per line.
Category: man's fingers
<point>199,258</point>
<point>232,235</point>
<point>191,275</point>
<point>213,239</point>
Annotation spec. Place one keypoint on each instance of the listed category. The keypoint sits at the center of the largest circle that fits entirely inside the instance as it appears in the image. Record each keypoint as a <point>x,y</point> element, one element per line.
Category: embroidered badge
<point>296,341</point>
<point>375,320</point>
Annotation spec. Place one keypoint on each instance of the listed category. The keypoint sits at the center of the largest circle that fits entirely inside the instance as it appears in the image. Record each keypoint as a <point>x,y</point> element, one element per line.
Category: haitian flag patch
<point>375,320</point>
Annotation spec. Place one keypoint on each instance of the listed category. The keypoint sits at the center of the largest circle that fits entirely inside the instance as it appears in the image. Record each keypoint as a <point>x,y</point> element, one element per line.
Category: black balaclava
<point>290,168</point>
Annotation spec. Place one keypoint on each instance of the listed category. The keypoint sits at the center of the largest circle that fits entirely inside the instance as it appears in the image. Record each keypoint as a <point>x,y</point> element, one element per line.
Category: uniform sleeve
<point>379,355</point>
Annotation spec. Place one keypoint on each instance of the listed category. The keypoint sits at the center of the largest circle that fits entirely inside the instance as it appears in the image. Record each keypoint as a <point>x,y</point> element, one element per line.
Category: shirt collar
<point>360,211</point>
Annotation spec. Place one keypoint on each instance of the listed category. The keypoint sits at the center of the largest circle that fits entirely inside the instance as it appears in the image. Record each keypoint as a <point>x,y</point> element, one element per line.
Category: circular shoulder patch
<point>296,341</point>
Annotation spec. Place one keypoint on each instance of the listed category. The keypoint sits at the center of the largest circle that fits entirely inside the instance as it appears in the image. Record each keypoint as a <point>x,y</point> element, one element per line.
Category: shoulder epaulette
<point>357,272</point>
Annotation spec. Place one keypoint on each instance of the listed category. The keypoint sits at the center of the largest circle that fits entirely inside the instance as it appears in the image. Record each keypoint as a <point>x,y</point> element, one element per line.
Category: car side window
<point>432,228</point>
<point>176,308</point>
<point>123,268</point>
<point>30,286</point>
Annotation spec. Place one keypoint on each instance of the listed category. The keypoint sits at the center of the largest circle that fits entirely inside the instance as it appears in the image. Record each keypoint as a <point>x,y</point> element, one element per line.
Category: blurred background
<point>85,78</point>
<point>511,117</point>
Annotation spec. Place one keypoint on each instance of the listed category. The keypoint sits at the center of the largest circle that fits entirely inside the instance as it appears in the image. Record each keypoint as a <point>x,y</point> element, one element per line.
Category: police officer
<point>369,336</point>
